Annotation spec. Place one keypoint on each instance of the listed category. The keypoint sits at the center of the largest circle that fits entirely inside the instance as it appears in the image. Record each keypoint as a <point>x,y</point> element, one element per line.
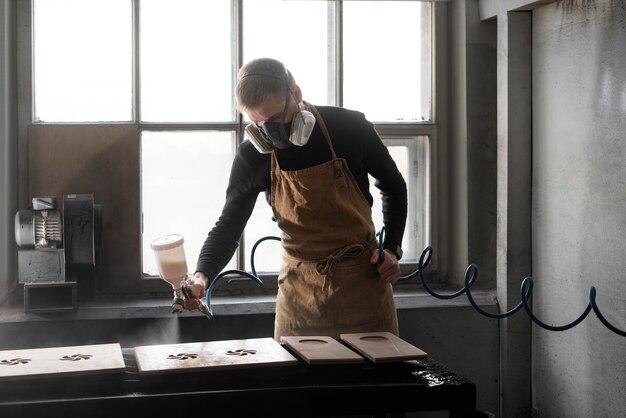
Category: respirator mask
<point>281,135</point>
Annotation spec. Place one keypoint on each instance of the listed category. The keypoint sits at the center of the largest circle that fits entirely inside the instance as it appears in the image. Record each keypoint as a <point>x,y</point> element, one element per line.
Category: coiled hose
<point>471,274</point>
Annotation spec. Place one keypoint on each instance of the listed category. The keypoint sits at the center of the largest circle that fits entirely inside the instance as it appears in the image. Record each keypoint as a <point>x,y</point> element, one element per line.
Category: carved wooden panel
<point>61,361</point>
<point>214,355</point>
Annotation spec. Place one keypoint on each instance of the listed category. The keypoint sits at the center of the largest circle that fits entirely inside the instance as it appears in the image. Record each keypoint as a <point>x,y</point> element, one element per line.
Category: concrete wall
<point>579,206</point>
<point>513,205</point>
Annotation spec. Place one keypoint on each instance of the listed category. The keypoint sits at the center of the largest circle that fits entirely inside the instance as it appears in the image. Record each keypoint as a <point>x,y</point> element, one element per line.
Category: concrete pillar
<point>513,260</point>
<point>8,153</point>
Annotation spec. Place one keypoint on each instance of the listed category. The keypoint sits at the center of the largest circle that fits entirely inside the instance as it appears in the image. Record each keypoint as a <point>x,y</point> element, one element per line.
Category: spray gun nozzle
<point>178,305</point>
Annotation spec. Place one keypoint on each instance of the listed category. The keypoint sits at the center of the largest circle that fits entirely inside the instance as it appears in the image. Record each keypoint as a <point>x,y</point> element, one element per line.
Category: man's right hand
<point>197,286</point>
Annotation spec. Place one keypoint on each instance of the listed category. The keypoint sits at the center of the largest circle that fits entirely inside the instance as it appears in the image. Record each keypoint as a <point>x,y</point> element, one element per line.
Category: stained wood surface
<point>61,361</point>
<point>214,355</point>
<point>322,350</point>
<point>104,160</point>
<point>381,347</point>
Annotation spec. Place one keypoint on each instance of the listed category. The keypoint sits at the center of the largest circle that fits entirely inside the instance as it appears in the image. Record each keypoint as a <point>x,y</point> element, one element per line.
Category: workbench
<point>301,390</point>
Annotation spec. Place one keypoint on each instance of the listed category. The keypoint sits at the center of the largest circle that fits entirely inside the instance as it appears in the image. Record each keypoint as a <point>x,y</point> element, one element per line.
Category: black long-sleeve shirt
<point>353,138</point>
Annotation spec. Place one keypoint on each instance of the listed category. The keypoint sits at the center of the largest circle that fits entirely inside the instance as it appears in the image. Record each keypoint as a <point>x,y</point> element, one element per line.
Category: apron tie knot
<point>327,265</point>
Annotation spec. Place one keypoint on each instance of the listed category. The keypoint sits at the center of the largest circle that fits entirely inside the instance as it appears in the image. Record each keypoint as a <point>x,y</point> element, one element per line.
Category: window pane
<point>400,155</point>
<point>387,59</point>
<point>186,71</point>
<point>411,156</point>
<point>82,60</point>
<point>184,178</point>
<point>295,33</point>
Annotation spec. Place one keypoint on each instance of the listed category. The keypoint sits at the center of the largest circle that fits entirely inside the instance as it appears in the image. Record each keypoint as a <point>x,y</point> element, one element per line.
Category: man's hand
<point>389,269</point>
<point>197,288</point>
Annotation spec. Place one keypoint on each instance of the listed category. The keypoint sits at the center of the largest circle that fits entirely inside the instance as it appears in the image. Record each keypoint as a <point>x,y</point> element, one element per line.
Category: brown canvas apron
<point>327,285</point>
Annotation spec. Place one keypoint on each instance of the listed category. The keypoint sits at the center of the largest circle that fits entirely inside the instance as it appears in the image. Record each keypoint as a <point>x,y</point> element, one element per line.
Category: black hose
<point>471,274</point>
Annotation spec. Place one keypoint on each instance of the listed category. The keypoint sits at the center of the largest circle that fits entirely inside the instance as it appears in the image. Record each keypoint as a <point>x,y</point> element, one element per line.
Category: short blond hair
<point>260,79</point>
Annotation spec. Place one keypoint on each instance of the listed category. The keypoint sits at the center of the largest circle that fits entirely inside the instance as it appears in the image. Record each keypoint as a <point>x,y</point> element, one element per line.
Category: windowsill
<point>224,305</point>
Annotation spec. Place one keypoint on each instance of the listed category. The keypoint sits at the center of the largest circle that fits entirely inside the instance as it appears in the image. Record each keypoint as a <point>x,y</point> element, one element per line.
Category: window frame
<point>389,132</point>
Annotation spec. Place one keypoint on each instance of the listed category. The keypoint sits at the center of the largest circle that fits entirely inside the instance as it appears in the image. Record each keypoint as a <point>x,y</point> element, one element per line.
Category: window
<point>169,68</point>
<point>87,77</point>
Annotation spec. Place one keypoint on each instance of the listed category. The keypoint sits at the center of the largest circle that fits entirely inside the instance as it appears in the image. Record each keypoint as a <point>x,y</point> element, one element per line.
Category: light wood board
<point>214,355</point>
<point>382,347</point>
<point>322,350</point>
<point>61,361</point>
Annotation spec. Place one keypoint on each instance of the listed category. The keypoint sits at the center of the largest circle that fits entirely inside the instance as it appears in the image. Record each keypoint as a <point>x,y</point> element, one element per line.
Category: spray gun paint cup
<point>172,263</point>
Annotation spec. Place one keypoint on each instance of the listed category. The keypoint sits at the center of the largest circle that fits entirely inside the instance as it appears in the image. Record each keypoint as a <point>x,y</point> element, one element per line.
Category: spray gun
<point>172,263</point>
<point>202,307</point>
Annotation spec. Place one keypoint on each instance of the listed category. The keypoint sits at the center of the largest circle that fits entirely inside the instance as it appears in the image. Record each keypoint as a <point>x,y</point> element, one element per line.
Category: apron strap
<point>319,120</point>
<point>327,264</point>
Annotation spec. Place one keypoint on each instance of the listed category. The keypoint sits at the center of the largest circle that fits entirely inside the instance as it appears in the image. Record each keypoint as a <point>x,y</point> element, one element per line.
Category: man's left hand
<point>389,269</point>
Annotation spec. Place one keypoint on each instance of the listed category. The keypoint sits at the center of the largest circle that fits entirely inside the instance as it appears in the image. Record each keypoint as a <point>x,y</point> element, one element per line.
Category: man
<point>313,164</point>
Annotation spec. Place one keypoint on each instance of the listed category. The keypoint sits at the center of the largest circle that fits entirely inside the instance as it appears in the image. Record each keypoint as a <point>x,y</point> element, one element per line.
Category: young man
<point>313,164</point>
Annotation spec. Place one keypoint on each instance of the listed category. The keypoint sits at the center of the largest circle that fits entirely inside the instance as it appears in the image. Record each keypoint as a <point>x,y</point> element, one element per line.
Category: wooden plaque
<point>214,355</point>
<point>61,361</point>
<point>321,350</point>
<point>383,347</point>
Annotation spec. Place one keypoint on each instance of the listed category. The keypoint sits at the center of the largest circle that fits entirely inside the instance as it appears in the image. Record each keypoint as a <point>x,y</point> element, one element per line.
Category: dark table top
<point>300,390</point>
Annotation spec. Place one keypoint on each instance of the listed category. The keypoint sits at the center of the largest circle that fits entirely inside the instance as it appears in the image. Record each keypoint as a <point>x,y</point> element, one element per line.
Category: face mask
<point>296,132</point>
<point>277,133</point>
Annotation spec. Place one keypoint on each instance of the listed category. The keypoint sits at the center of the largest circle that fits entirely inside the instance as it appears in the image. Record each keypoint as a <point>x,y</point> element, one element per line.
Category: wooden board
<point>103,159</point>
<point>61,361</point>
<point>214,355</point>
<point>382,347</point>
<point>321,350</point>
